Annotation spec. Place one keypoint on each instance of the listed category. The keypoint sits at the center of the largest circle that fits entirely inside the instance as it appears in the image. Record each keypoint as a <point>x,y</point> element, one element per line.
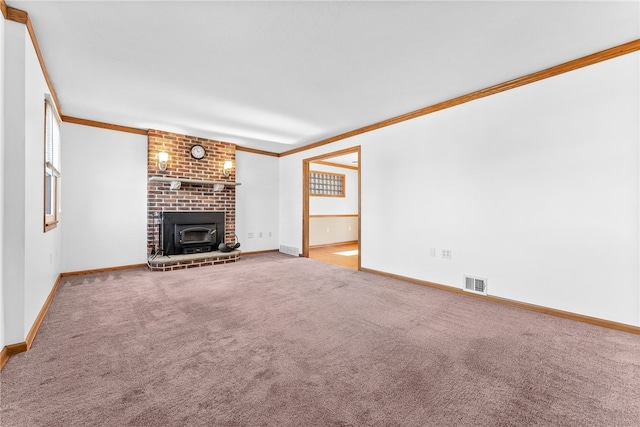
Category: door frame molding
<point>305,196</point>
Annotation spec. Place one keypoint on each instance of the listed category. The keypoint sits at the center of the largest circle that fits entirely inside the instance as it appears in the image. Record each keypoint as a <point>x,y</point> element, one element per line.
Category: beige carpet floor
<point>274,340</point>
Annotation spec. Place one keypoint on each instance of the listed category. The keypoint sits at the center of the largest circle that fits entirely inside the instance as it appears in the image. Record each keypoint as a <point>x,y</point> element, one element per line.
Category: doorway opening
<point>331,208</point>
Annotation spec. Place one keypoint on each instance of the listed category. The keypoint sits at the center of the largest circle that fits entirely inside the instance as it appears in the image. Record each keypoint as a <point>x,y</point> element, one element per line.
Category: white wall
<point>104,192</point>
<point>290,185</point>
<point>30,257</point>
<point>257,201</point>
<point>291,191</point>
<point>336,205</point>
<point>2,131</point>
<point>334,229</point>
<point>536,189</point>
<point>41,249</point>
<point>104,198</point>
<point>13,170</point>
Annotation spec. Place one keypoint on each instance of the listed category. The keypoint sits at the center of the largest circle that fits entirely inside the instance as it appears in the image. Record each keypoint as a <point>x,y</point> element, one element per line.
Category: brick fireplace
<point>162,197</point>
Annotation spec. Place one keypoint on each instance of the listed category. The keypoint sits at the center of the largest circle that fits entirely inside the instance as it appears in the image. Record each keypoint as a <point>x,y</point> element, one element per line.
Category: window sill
<point>50,226</point>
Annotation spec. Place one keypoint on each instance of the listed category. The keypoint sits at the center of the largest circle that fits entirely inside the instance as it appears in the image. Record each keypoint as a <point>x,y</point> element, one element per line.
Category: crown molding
<point>565,67</point>
<point>3,7</point>
<point>103,125</point>
<point>17,15</point>
<point>22,17</point>
<point>253,150</point>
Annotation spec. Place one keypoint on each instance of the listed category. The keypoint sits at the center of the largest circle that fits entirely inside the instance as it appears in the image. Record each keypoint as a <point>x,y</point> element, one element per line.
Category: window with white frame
<point>51,165</point>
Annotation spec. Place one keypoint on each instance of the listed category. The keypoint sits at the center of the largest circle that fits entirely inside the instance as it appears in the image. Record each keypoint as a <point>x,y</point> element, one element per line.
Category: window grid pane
<point>326,184</point>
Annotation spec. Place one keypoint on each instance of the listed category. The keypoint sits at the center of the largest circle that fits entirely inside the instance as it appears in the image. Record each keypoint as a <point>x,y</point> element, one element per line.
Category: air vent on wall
<point>289,250</point>
<point>476,285</point>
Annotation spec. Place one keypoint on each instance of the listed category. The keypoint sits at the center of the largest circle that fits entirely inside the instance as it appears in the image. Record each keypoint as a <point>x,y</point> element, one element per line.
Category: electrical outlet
<point>269,234</point>
<point>260,234</point>
<point>249,235</point>
<point>446,253</point>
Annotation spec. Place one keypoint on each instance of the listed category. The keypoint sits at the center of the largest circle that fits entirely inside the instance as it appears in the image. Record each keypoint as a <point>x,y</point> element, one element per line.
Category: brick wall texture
<point>189,197</point>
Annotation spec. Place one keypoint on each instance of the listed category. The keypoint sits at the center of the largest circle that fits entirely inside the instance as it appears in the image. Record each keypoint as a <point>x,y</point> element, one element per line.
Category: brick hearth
<point>179,262</point>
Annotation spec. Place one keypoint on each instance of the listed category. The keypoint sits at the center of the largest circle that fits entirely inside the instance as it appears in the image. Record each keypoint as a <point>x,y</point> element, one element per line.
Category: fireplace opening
<point>195,238</point>
<point>191,232</point>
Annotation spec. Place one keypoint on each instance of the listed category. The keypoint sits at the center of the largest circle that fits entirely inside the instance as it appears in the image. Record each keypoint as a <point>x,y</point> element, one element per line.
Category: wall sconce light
<point>163,158</point>
<point>227,168</point>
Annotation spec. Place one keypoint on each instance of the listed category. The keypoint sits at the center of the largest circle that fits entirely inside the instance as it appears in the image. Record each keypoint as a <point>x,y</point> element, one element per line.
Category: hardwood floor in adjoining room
<point>344,254</point>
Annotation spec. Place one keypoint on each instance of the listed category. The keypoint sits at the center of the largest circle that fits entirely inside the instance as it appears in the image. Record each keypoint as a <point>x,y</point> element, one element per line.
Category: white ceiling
<point>279,75</point>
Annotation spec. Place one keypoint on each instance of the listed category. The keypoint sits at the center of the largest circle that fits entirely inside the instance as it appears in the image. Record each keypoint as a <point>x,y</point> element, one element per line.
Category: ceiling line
<point>22,17</point>
<point>256,151</point>
<point>565,67</point>
<point>103,125</point>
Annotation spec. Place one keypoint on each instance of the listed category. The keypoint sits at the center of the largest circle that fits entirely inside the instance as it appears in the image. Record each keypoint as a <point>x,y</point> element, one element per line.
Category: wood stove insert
<point>191,232</point>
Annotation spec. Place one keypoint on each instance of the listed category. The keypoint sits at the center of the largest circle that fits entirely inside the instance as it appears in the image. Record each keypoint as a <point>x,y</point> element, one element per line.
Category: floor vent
<point>289,250</point>
<point>476,285</point>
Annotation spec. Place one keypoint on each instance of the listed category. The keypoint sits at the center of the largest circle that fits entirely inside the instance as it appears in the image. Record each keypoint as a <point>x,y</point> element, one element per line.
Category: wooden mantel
<point>176,183</point>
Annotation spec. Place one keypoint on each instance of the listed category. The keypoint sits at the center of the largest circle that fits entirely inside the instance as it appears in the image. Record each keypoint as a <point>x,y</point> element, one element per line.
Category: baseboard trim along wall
<point>523,305</point>
<point>260,252</point>
<point>102,270</point>
<point>334,216</point>
<point>4,357</point>
<point>43,312</point>
<point>12,349</point>
<point>20,347</point>
<point>349,242</point>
